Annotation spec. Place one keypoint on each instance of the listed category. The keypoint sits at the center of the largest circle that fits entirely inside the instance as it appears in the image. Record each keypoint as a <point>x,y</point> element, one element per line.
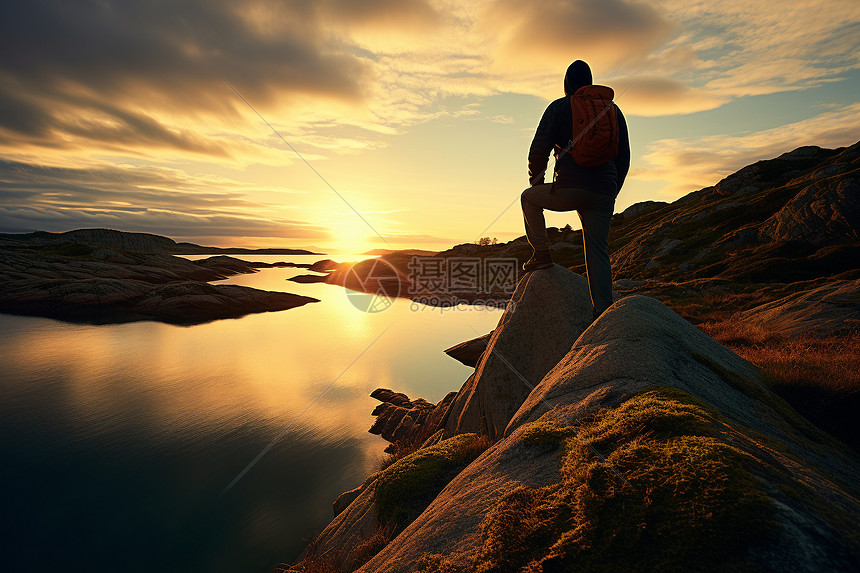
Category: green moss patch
<point>407,487</point>
<point>687,500</point>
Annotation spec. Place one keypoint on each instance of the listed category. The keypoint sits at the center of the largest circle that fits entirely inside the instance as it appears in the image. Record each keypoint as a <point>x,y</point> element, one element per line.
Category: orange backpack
<point>595,126</point>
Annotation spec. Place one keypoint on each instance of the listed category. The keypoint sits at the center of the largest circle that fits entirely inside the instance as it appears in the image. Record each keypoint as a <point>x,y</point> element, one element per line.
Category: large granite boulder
<point>648,446</point>
<point>548,311</point>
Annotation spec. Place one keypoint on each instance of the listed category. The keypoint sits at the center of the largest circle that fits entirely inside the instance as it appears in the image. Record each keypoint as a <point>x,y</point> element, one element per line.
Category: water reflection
<point>117,440</point>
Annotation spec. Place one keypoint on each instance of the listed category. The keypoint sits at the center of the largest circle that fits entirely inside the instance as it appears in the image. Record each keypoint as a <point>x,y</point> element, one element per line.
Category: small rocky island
<point>105,276</point>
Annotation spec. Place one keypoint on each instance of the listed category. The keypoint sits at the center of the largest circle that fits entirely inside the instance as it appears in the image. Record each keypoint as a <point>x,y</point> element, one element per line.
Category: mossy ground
<point>687,500</point>
<point>407,486</point>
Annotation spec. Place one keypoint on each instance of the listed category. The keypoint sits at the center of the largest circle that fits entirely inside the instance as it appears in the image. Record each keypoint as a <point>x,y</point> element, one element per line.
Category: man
<point>590,191</point>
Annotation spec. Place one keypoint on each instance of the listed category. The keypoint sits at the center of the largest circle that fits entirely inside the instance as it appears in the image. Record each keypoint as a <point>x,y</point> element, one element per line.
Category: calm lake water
<point>118,441</point>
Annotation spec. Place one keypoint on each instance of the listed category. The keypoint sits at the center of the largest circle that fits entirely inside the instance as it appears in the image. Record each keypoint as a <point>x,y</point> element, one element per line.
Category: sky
<point>348,125</point>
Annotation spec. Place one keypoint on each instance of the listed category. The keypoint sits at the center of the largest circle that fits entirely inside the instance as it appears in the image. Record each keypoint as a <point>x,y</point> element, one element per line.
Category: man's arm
<point>541,146</point>
<point>622,160</point>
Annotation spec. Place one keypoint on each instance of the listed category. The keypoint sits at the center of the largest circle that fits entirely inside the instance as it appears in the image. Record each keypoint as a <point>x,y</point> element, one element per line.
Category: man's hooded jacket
<point>556,129</point>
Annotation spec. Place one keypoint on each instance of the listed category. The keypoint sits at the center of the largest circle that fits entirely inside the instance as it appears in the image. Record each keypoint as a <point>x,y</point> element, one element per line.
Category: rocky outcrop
<point>102,301</point>
<point>87,283</point>
<point>399,419</point>
<point>648,443</point>
<point>794,217</point>
<point>374,276</point>
<point>305,279</point>
<point>351,527</point>
<point>106,238</point>
<point>470,351</point>
<point>824,212</point>
<point>830,310</point>
<point>642,206</point>
<point>324,266</point>
<point>547,313</point>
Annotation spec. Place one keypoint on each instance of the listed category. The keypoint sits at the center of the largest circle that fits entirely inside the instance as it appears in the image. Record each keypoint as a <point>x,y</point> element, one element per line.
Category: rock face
<point>548,311</point>
<point>639,382</point>
<point>822,213</point>
<point>794,217</point>
<point>398,418</point>
<point>830,310</point>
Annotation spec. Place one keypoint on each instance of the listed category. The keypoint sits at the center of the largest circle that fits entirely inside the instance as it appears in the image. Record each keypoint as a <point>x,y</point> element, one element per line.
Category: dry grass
<point>819,377</point>
<point>309,565</point>
<point>365,550</point>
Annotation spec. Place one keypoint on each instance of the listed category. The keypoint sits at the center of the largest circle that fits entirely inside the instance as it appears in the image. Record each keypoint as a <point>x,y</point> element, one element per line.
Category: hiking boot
<point>539,260</point>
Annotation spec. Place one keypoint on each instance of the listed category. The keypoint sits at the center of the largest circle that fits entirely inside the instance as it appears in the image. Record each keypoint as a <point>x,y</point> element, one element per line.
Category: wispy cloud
<point>141,199</point>
<point>96,86</point>
<point>148,75</point>
<point>655,96</point>
<point>751,48</point>
<point>693,163</point>
<point>610,34</point>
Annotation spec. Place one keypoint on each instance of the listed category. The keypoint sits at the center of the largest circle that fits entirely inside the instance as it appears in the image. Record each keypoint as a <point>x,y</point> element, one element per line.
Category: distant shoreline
<point>101,276</point>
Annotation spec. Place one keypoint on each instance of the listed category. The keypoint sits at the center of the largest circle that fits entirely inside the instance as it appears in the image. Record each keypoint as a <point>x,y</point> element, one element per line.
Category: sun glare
<point>353,236</point>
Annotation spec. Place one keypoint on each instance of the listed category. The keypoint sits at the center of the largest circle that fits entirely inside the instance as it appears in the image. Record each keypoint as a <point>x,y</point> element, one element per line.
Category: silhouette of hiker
<point>590,191</point>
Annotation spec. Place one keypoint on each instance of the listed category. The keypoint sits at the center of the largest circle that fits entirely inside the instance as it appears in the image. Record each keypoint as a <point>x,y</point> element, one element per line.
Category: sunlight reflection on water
<point>122,436</point>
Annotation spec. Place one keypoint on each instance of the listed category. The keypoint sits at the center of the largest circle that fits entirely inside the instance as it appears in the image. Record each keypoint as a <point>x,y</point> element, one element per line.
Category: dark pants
<point>595,213</point>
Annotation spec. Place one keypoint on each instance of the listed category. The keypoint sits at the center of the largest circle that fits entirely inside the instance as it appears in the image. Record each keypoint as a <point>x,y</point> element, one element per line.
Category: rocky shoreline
<point>634,441</point>
<point>102,283</point>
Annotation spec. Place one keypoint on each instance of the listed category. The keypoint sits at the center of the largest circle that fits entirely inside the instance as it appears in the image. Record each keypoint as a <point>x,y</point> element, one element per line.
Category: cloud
<point>693,163</point>
<point>608,34</point>
<point>382,13</point>
<point>654,96</point>
<point>147,199</point>
<point>138,76</point>
<point>750,48</point>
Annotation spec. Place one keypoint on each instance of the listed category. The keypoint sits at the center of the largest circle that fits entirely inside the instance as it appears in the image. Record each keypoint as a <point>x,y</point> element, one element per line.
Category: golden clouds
<point>148,199</point>
<point>97,85</point>
<point>655,96</point>
<point>692,163</point>
<point>537,34</point>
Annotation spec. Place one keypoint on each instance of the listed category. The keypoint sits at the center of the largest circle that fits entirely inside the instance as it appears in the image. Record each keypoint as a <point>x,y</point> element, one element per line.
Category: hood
<point>578,75</point>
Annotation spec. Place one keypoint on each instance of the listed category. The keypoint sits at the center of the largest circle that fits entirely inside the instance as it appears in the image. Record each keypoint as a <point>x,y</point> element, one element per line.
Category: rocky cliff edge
<point>635,443</point>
